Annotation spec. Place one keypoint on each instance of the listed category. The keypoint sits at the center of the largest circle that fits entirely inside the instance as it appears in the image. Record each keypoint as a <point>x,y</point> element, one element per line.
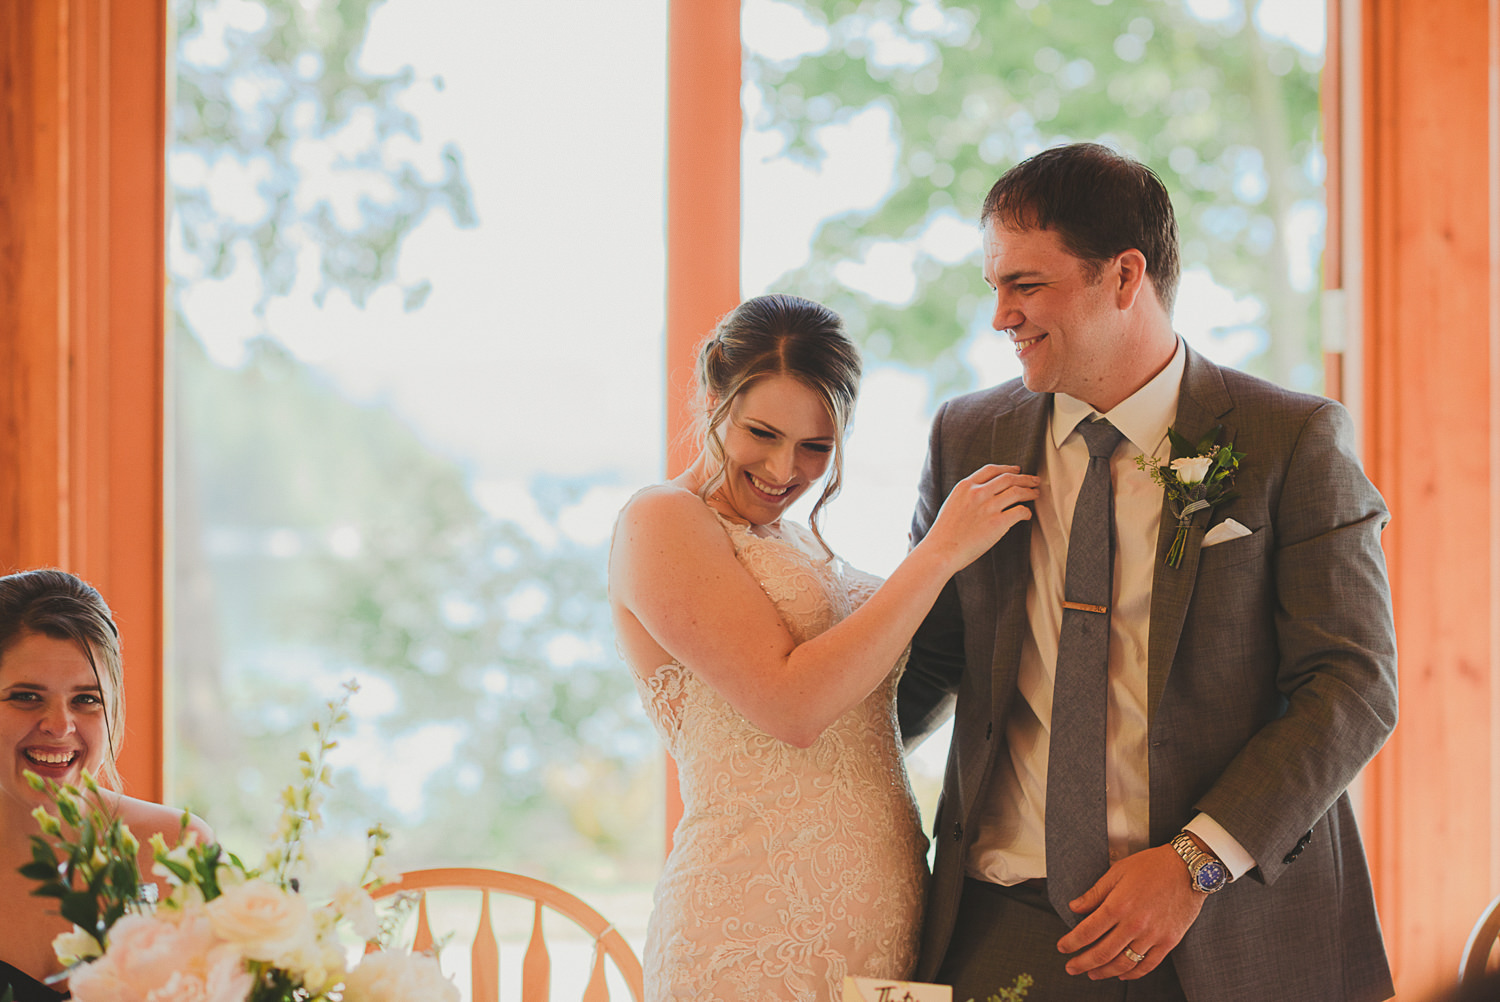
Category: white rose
<point>260,918</point>
<point>315,957</point>
<point>1193,469</point>
<point>398,977</point>
<point>355,905</point>
<point>71,947</point>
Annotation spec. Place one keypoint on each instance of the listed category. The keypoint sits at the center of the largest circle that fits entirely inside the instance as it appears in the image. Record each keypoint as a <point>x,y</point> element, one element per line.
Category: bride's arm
<point>674,570</point>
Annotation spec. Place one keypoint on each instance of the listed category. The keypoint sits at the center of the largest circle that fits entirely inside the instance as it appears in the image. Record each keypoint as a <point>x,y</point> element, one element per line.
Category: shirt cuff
<point>1223,844</point>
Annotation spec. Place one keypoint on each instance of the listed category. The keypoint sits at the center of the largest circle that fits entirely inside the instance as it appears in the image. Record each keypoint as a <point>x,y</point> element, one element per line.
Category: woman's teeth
<point>51,758</point>
<point>761,485</point>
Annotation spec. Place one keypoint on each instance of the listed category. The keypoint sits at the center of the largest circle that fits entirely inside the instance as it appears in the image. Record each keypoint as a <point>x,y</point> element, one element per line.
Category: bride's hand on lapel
<point>980,509</point>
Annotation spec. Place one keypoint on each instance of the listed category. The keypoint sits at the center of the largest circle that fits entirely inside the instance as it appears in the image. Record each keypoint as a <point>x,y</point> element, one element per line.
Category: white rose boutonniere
<point>1200,477</point>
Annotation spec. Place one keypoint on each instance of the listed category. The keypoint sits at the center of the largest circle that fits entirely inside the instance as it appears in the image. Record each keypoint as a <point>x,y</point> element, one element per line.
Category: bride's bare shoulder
<point>662,530</point>
<point>665,506</point>
<point>146,818</point>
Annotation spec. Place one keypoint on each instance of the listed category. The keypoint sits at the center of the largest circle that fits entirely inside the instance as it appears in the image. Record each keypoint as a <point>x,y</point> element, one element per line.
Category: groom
<point>1145,794</point>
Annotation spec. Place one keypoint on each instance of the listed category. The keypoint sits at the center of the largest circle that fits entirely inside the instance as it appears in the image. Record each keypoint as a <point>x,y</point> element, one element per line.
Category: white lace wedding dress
<point>791,867</point>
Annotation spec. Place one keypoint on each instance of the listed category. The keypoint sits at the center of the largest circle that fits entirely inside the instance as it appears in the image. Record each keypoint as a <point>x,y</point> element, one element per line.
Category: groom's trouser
<point>1005,931</point>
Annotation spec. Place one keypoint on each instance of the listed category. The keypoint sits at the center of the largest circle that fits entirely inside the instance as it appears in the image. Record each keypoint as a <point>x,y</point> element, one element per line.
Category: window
<point>417,261</point>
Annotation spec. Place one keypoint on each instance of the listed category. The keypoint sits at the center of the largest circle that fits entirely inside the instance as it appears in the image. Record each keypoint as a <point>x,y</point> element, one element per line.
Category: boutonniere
<point>1201,477</point>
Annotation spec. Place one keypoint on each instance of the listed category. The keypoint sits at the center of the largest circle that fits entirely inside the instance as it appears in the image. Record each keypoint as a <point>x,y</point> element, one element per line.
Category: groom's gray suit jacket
<point>1272,680</point>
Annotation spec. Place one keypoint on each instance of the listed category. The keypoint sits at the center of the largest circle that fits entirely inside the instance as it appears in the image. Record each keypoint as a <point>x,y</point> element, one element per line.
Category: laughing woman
<point>61,711</point>
<point>769,667</point>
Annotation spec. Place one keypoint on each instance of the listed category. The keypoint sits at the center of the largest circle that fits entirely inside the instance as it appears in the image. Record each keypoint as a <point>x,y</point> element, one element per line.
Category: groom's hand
<point>1144,903</point>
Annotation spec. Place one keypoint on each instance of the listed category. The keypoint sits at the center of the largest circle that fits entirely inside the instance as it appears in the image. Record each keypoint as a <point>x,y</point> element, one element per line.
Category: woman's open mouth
<point>49,759</point>
<point>765,488</point>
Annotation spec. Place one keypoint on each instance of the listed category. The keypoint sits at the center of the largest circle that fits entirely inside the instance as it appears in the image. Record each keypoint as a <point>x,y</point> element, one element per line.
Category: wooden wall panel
<point>82,196</point>
<point>33,243</point>
<point>1428,271</point>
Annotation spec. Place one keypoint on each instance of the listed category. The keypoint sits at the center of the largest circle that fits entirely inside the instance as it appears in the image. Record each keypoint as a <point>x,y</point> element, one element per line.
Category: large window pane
<point>417,261</point>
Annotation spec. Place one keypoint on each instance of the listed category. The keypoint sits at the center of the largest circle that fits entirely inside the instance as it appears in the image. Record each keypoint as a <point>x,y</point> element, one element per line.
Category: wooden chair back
<point>536,967</point>
<point>1482,940</point>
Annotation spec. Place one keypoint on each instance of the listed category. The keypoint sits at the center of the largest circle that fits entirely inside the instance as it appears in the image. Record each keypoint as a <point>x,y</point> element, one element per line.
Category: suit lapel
<point>1203,402</point>
<point>1016,439</point>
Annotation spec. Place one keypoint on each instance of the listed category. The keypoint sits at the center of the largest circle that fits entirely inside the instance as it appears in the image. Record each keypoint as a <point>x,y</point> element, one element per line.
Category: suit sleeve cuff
<point>1223,844</point>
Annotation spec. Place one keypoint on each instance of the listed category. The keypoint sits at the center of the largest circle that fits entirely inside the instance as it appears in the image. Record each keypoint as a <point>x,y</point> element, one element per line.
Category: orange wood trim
<point>129,424</point>
<point>82,278</point>
<point>1427,280</point>
<point>703,214</point>
<point>33,246</point>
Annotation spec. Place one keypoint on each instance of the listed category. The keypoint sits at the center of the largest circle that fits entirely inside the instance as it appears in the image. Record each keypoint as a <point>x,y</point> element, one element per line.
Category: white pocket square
<point>1225,530</point>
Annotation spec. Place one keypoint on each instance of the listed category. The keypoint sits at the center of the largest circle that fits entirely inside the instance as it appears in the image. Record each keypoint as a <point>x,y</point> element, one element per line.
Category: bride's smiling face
<point>52,714</point>
<point>778,442</point>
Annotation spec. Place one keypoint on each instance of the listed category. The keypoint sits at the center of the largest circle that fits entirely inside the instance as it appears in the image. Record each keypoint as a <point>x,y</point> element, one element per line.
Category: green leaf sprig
<point>1015,993</point>
<point>302,802</point>
<point>95,877</point>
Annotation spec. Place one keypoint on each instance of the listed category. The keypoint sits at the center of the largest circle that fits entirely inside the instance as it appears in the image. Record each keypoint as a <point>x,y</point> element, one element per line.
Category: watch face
<point>1211,876</point>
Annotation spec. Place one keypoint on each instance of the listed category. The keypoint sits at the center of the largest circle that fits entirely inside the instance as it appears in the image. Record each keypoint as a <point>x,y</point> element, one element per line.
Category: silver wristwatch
<point>1206,873</point>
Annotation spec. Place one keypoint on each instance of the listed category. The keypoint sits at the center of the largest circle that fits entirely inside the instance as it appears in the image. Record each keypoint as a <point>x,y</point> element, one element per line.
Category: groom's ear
<point>1130,277</point>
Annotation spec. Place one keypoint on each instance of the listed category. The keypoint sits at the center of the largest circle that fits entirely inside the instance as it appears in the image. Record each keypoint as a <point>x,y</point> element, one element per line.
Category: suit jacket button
<point>958,831</point>
<point>1291,857</point>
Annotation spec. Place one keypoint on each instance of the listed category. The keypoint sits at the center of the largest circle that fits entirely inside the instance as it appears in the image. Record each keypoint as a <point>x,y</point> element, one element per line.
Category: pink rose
<point>149,958</point>
<point>260,918</point>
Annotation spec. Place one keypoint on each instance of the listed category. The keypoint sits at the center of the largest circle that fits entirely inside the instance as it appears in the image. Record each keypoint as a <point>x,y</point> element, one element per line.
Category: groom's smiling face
<point>1058,310</point>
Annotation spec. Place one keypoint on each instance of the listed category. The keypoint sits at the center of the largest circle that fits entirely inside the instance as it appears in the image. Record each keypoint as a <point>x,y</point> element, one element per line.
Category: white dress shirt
<point>1010,843</point>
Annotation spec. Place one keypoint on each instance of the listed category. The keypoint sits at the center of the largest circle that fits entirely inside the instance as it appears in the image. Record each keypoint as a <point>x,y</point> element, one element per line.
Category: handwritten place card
<point>884,990</point>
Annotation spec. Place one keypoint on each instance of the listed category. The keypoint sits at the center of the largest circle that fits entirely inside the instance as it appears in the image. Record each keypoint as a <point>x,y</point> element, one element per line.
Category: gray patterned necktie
<point>1076,833</point>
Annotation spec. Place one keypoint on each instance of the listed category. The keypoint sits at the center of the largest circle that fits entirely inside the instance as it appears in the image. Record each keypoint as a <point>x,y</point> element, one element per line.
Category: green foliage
<point>1015,993</point>
<point>262,89</point>
<point>1226,116</point>
<point>454,608</point>
<point>94,876</point>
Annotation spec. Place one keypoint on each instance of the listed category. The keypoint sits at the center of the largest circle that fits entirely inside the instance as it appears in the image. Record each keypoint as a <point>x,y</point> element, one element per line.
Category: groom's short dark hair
<point>1099,203</point>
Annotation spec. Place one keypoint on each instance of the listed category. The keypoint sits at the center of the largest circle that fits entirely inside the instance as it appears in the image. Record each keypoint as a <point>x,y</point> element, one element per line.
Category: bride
<point>769,667</point>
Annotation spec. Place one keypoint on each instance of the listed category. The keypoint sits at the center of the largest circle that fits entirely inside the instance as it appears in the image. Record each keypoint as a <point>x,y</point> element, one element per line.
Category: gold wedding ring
<point>1135,958</point>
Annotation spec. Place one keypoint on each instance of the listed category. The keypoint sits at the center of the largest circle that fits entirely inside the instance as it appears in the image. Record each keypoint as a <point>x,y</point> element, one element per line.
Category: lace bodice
<point>791,866</point>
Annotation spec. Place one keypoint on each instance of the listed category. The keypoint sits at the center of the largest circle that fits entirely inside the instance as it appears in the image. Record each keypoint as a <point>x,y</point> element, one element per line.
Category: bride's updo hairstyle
<point>56,604</point>
<point>778,335</point>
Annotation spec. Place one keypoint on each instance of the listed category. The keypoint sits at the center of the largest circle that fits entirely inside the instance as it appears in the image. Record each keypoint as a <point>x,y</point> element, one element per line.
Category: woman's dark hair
<point>59,605</point>
<point>1099,203</point>
<point>778,335</point>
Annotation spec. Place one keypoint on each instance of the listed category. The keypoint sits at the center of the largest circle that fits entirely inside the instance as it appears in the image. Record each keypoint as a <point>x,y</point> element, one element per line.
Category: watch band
<point>1206,873</point>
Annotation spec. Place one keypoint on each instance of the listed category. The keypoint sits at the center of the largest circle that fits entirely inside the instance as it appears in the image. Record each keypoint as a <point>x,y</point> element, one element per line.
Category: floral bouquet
<point>225,932</point>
